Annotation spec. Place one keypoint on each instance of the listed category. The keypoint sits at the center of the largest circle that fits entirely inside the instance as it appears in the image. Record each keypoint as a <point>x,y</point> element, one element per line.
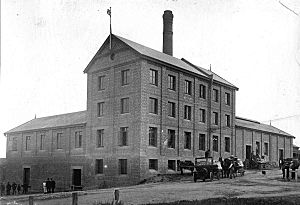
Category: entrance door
<point>26,176</point>
<point>76,177</point>
<point>248,152</point>
<point>281,154</point>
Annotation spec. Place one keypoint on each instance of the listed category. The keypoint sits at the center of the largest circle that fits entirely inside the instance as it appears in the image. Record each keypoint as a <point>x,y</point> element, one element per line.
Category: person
<point>19,188</point>
<point>25,188</point>
<point>2,188</point>
<point>44,187</point>
<point>14,187</point>
<point>207,153</point>
<point>48,185</point>
<point>8,187</point>
<point>52,182</point>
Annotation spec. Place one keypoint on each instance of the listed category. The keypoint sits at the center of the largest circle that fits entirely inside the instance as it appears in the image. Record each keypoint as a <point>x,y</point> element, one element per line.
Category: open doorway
<point>248,152</point>
<point>26,176</point>
<point>76,179</point>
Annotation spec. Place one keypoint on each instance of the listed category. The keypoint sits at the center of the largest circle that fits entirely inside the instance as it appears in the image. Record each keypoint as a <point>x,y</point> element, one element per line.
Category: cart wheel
<point>211,175</point>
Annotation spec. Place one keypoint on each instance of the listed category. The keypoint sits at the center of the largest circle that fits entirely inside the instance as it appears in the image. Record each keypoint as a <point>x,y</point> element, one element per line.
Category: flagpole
<point>110,28</point>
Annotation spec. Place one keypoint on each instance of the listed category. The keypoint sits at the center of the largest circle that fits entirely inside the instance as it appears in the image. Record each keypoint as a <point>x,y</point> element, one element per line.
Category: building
<point>146,110</point>
<point>296,152</point>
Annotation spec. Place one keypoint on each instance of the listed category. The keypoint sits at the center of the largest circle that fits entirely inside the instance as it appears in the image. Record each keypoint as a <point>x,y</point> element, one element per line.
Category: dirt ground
<point>176,188</point>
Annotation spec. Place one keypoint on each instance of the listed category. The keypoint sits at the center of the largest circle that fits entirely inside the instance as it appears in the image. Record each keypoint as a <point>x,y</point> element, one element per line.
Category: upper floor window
<point>171,109</point>
<point>14,144</point>
<point>153,77</point>
<point>215,118</point>
<point>187,140</point>
<point>100,109</point>
<point>188,87</point>
<point>123,136</point>
<point>202,115</point>
<point>42,141</point>
<point>202,142</point>
<point>153,164</point>
<point>78,139</point>
<point>202,90</point>
<point>153,136</point>
<point>153,105</point>
<point>27,142</point>
<point>100,136</point>
<point>215,95</point>
<point>171,82</point>
<point>227,144</point>
<point>215,143</point>
<point>124,77</point>
<point>59,140</point>
<point>99,166</point>
<point>227,120</point>
<point>123,166</point>
<point>101,82</point>
<point>227,99</point>
<point>187,112</point>
<point>124,105</point>
<point>171,138</point>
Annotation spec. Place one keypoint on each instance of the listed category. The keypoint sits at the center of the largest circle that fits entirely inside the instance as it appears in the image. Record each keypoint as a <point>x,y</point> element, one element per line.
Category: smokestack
<point>168,33</point>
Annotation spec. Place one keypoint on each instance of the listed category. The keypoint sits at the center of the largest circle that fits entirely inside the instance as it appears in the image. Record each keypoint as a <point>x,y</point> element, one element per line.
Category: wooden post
<point>74,198</point>
<point>30,200</point>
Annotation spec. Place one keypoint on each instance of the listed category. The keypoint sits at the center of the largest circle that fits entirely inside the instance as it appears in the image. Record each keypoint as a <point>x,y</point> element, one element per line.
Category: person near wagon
<point>19,188</point>
<point>14,187</point>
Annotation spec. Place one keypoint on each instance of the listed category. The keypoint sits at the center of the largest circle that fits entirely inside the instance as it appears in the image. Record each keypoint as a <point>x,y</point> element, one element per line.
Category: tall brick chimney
<point>168,33</point>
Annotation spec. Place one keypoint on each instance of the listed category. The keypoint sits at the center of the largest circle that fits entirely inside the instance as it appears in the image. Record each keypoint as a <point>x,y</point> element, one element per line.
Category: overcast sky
<point>45,46</point>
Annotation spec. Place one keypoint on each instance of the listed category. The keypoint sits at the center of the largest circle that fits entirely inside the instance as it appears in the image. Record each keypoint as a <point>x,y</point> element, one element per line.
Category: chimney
<point>168,33</point>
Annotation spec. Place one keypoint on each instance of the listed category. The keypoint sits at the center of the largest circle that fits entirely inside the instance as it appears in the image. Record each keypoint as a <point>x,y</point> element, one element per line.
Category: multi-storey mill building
<point>145,111</point>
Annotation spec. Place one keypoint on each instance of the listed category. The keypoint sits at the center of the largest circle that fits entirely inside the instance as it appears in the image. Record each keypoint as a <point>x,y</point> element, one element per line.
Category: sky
<point>46,45</point>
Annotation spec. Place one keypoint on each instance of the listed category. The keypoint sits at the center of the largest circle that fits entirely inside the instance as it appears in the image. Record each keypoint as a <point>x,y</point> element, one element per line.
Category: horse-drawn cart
<point>205,168</point>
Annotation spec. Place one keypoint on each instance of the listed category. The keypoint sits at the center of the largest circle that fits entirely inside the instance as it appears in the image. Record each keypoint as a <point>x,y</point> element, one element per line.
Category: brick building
<point>145,111</point>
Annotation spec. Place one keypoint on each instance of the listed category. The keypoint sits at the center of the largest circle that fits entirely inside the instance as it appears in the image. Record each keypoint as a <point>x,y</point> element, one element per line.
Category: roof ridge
<point>60,114</point>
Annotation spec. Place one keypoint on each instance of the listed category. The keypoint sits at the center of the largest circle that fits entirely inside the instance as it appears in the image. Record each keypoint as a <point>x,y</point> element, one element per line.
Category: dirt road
<point>253,184</point>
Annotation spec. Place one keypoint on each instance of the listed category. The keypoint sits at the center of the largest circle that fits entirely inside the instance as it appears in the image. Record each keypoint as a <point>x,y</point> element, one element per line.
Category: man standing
<point>48,185</point>
<point>8,187</point>
<point>52,185</point>
<point>14,187</point>
<point>2,188</point>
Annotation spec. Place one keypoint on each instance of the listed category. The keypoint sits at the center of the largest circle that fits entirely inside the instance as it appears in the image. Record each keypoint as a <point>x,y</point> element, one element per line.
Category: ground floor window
<point>99,166</point>
<point>227,144</point>
<point>153,164</point>
<point>123,166</point>
<point>171,164</point>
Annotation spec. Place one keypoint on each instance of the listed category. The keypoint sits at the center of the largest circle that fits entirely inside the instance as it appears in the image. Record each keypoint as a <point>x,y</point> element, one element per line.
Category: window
<point>153,77</point>
<point>171,164</point>
<point>266,150</point>
<point>153,164</point>
<point>215,95</point>
<point>202,115</point>
<point>100,109</point>
<point>227,144</point>
<point>123,136</point>
<point>78,139</point>
<point>27,143</point>
<point>171,109</point>
<point>187,112</point>
<point>101,82</point>
<point>202,142</point>
<point>99,166</point>
<point>123,166</point>
<point>100,136</point>
<point>171,138</point>
<point>153,105</point>
<point>257,148</point>
<point>227,98</point>
<point>215,118</point>
<point>215,143</point>
<point>153,136</point>
<point>202,90</point>
<point>14,144</point>
<point>59,140</point>
<point>42,141</point>
<point>187,140</point>
<point>188,87</point>
<point>171,82</point>
<point>227,120</point>
<point>124,76</point>
<point>124,105</point>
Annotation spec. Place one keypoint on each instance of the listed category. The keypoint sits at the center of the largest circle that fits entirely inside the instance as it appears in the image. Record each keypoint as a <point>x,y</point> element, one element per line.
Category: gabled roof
<point>165,58</point>
<point>67,119</point>
<point>251,124</point>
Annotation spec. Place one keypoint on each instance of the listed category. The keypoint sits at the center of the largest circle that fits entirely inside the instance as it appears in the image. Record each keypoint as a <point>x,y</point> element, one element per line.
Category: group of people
<point>49,186</point>
<point>10,189</point>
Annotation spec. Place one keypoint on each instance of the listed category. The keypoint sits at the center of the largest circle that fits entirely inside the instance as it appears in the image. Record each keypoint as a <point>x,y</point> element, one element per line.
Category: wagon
<point>205,168</point>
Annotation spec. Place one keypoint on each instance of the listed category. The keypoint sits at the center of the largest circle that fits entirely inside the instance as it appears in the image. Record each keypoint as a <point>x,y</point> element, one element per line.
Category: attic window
<point>112,56</point>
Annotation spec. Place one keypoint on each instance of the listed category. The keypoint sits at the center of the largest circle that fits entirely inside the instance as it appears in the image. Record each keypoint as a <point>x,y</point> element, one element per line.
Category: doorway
<point>76,179</point>
<point>281,154</point>
<point>26,176</point>
<point>248,152</point>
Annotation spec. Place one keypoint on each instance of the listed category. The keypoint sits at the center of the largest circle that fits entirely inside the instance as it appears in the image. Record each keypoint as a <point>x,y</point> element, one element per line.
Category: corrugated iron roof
<point>251,124</point>
<point>149,52</point>
<point>67,119</point>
